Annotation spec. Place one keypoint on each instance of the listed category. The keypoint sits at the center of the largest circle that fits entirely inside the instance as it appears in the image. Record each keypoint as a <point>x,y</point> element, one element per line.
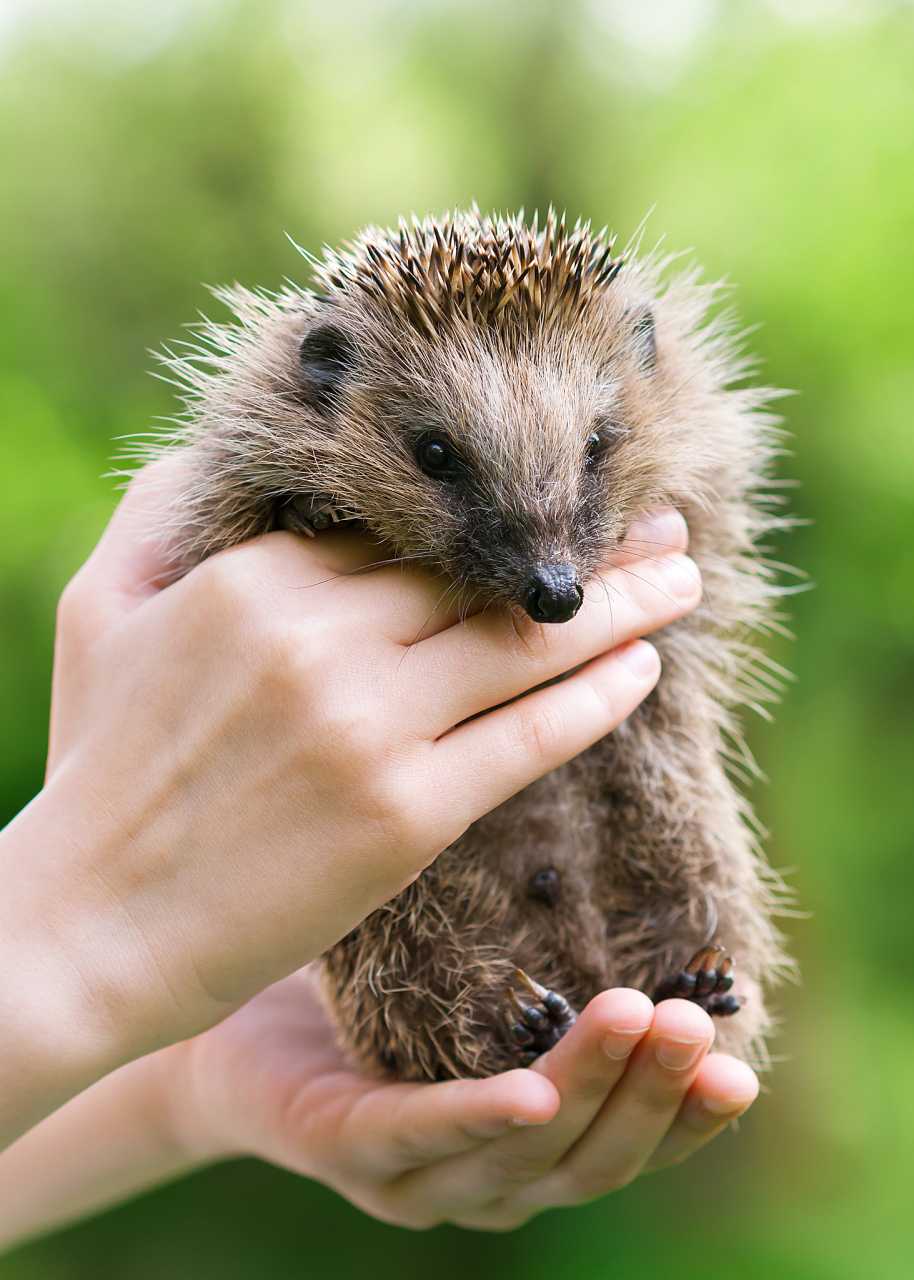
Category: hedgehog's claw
<point>705,980</point>
<point>542,1021</point>
<point>307,514</point>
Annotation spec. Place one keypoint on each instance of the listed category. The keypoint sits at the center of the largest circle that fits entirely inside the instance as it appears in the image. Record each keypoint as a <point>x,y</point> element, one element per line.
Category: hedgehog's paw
<point>543,1017</point>
<point>706,980</point>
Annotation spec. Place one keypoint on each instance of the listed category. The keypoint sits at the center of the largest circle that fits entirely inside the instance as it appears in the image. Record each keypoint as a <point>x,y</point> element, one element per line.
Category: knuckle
<point>346,726</point>
<point>612,1182</point>
<point>541,729</point>
<point>411,1148</point>
<point>661,1097</point>
<point>669,1161</point>
<point>225,589</point>
<point>72,602</point>
<point>582,1188</point>
<point>77,612</point>
<point>415,1220</point>
<point>399,1212</point>
<point>511,1223</point>
<point>355,739</point>
<point>600,695</point>
<point>284,676</point>
<point>394,810</point>
<point>517,1167</point>
<point>232,597</point>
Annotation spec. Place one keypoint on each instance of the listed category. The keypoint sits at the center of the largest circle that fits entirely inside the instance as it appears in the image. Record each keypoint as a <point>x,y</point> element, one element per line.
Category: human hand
<point>245,763</point>
<point>589,1116</point>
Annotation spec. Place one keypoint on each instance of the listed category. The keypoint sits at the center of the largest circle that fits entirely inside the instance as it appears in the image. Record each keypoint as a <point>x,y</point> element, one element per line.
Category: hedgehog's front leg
<point>539,1022</point>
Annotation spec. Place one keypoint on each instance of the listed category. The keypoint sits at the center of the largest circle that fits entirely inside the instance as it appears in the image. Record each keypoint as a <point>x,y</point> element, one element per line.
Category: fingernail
<point>519,1122</point>
<point>640,658</point>
<point>724,1106</point>
<point>654,530</point>
<point>676,1055</point>
<point>619,1044</point>
<point>681,575</point>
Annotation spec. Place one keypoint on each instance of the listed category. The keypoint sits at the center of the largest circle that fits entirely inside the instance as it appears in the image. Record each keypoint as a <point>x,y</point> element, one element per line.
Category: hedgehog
<point>500,400</point>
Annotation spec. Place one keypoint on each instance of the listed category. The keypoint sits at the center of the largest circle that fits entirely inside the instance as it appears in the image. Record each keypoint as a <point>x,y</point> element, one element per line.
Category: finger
<point>586,1065</point>
<point>723,1089</point>
<point>501,655</point>
<point>134,558</point>
<point>405,599</point>
<point>653,534</point>
<point>129,563</point>
<point>131,556</point>
<point>423,603</point>
<point>581,1070</point>
<point>396,597</point>
<point>410,602</point>
<point>498,754</point>
<point>636,1116</point>
<point>402,1129</point>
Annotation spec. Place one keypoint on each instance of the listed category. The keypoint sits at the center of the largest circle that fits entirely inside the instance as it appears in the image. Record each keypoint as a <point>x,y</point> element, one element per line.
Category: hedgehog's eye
<point>437,459</point>
<point>601,442</point>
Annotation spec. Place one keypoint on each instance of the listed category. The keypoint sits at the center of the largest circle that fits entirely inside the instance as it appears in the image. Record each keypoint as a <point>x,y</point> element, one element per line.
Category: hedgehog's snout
<point>553,593</point>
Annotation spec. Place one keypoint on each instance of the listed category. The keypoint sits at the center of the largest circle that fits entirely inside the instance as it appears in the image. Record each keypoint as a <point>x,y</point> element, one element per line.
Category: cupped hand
<point>630,1087</point>
<point>248,761</point>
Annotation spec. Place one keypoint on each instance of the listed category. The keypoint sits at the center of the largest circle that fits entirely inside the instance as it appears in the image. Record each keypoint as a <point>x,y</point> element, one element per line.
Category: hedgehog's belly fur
<point>419,988</point>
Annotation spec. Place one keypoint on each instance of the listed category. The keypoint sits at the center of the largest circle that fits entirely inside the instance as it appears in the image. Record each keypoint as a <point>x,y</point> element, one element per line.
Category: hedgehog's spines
<point>473,270</point>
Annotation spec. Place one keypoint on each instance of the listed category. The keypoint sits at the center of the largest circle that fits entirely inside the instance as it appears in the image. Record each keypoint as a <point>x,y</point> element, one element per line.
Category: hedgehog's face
<point>502,468</point>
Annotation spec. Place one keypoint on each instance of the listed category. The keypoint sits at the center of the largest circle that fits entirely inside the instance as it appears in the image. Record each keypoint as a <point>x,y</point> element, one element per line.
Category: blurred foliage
<point>145,149</point>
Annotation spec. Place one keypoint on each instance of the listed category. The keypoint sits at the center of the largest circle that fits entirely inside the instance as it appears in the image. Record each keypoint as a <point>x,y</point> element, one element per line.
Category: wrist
<point>56,1037</point>
<point>114,1139</point>
<point>81,994</point>
<point>183,1109</point>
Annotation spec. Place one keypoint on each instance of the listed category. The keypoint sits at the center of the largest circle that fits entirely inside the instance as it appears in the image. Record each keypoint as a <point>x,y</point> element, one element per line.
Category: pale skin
<point>243,765</point>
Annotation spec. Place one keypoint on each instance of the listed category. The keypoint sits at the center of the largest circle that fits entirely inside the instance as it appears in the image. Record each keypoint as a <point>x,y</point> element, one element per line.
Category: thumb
<point>134,559</point>
<point>132,562</point>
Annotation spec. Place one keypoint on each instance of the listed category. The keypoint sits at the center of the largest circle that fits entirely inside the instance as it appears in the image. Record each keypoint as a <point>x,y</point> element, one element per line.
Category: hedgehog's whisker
<point>321,582</point>
<point>382,564</point>
<point>464,610</point>
<point>438,603</point>
<point>706,554</point>
<point>486,607</point>
<point>642,557</point>
<point>647,583</point>
<point>675,393</point>
<point>612,622</point>
<point>352,573</point>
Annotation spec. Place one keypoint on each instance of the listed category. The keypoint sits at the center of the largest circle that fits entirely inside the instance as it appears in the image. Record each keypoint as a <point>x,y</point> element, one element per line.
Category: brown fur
<point>518,345</point>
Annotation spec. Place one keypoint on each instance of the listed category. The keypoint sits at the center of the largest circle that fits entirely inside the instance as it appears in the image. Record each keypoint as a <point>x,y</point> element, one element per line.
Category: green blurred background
<point>146,148</point>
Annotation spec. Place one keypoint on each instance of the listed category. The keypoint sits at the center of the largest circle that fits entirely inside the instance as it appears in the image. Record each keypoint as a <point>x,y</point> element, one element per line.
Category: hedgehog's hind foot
<point>706,980</point>
<point>541,1020</point>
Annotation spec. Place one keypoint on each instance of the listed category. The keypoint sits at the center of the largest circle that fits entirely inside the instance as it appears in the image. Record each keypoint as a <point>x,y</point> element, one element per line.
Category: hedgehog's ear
<point>644,342</point>
<point>327,354</point>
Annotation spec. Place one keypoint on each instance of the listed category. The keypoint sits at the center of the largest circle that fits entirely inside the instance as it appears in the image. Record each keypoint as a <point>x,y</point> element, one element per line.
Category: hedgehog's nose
<point>553,593</point>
